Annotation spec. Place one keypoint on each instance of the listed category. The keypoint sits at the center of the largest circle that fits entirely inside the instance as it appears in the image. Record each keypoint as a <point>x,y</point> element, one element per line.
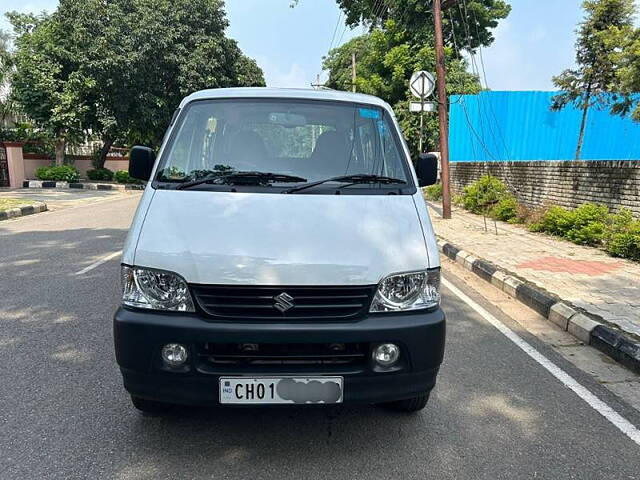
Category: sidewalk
<point>600,285</point>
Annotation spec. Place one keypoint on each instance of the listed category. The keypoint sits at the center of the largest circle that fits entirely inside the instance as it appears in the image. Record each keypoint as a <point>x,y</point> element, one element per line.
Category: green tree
<point>386,59</point>
<point>592,81</point>
<point>468,21</point>
<point>625,42</point>
<point>144,56</point>
<point>45,83</point>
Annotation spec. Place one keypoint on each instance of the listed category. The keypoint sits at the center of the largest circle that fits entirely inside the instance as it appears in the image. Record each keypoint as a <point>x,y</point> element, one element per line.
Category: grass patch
<point>9,203</point>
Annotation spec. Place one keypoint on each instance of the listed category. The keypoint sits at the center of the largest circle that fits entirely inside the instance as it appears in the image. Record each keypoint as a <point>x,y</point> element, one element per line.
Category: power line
<point>484,73</point>
<point>474,68</point>
<point>482,110</point>
<point>383,6</point>
<point>335,30</point>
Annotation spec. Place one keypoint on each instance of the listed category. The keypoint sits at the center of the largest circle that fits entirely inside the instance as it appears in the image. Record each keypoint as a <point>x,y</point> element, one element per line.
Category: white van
<point>282,253</point>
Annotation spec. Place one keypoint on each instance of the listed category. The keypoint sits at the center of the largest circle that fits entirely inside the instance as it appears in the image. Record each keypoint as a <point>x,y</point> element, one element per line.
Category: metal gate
<point>4,167</point>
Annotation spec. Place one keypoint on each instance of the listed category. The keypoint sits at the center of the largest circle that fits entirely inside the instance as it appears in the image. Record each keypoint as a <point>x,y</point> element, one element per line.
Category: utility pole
<point>353,72</point>
<point>442,111</point>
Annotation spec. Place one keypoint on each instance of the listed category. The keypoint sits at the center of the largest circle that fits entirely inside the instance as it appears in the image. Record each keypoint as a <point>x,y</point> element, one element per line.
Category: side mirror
<point>427,169</point>
<point>141,160</point>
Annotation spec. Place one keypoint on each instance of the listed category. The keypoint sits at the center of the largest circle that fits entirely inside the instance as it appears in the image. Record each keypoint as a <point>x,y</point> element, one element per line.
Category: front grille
<point>269,354</point>
<point>288,303</point>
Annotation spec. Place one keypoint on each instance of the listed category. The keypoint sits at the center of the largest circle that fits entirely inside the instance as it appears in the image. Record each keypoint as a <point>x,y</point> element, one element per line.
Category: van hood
<point>276,239</point>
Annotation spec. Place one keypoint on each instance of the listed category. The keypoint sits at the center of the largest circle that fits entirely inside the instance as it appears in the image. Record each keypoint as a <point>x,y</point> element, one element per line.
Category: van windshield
<point>296,141</point>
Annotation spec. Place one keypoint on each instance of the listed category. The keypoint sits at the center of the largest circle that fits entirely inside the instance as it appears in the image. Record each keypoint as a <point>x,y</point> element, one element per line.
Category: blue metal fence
<point>519,126</point>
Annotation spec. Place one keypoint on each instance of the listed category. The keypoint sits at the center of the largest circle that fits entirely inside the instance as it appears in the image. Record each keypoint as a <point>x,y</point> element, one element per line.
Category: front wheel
<point>408,405</point>
<point>149,407</point>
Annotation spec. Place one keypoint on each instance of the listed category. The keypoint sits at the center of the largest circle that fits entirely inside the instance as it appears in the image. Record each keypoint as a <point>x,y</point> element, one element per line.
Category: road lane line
<point>99,262</point>
<point>594,402</point>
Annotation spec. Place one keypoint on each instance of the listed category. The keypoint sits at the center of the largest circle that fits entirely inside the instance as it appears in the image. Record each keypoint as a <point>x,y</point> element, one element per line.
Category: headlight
<point>155,289</point>
<point>408,291</point>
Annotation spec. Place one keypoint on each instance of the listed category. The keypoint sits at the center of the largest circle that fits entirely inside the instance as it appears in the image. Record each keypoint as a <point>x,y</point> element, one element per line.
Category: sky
<point>534,43</point>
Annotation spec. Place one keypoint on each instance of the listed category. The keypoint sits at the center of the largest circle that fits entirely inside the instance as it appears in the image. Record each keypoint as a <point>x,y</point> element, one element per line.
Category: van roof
<point>302,93</point>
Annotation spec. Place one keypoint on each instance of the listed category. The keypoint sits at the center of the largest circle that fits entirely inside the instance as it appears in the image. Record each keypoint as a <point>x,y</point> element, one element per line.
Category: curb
<point>23,210</point>
<point>80,185</point>
<point>588,330</point>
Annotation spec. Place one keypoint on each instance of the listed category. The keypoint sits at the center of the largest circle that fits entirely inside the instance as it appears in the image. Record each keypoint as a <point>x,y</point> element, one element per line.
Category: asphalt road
<point>494,414</point>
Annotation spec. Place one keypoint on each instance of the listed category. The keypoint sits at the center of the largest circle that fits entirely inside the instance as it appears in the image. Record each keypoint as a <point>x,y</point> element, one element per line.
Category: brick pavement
<point>587,277</point>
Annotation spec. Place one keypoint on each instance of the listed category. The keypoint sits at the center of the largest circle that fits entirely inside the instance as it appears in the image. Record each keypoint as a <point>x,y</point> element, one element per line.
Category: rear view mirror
<point>141,160</point>
<point>427,169</point>
<point>288,120</point>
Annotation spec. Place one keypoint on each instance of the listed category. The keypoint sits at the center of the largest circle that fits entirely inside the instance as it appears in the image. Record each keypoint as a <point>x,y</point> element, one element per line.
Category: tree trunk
<point>583,124</point>
<point>106,146</point>
<point>60,143</point>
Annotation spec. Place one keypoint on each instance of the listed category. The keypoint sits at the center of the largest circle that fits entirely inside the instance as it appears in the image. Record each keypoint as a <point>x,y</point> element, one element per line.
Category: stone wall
<point>565,183</point>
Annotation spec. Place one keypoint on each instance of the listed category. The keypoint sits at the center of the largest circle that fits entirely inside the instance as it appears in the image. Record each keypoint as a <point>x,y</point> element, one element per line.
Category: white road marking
<point>594,402</point>
<point>99,262</point>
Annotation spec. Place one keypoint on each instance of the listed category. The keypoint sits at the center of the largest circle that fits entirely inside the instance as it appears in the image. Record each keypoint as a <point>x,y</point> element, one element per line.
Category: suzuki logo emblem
<point>283,302</point>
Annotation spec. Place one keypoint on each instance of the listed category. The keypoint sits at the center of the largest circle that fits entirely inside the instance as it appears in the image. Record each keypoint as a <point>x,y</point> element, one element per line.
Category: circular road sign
<point>422,84</point>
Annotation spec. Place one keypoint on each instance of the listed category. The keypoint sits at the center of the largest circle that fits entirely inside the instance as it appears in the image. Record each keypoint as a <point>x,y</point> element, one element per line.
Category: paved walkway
<point>587,277</point>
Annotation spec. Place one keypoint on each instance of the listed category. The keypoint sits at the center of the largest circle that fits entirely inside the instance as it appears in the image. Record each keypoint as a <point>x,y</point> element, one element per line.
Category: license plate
<point>280,390</point>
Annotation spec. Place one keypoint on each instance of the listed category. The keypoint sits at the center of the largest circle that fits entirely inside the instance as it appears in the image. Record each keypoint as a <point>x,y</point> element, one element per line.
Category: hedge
<point>589,224</point>
<point>100,174</point>
<point>122,176</point>
<point>60,173</point>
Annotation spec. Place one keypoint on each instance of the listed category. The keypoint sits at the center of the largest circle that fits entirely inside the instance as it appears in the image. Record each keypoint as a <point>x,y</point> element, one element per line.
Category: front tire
<point>408,405</point>
<point>150,407</point>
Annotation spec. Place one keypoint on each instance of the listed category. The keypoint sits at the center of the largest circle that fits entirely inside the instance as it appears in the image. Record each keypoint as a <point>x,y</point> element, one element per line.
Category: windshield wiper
<point>350,179</point>
<point>242,178</point>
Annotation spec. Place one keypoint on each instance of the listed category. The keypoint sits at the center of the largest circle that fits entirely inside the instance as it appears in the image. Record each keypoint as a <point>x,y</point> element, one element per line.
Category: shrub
<point>44,173</point>
<point>556,220</point>
<point>506,209</point>
<point>623,237</point>
<point>433,192</point>
<point>59,173</point>
<point>122,176</point>
<point>621,221</point>
<point>625,243</point>
<point>585,225</point>
<point>591,234</point>
<point>100,174</point>
<point>589,224</point>
<point>483,194</point>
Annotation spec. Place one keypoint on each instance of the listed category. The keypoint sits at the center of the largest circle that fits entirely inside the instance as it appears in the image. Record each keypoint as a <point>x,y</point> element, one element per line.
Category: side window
<point>376,150</point>
<point>182,152</point>
<point>390,152</point>
<point>194,146</point>
<point>368,147</point>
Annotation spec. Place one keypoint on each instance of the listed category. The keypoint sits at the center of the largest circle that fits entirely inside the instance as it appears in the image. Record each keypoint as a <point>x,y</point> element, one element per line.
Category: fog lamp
<point>174,354</point>
<point>386,354</point>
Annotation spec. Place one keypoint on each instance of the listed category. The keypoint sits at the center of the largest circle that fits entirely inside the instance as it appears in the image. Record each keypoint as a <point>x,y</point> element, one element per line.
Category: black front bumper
<point>140,335</point>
